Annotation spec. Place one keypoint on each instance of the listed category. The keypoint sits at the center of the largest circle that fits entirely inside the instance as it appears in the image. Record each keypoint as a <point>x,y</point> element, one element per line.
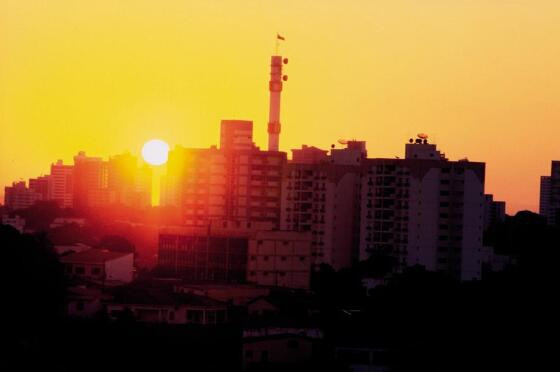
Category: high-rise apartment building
<point>128,184</point>
<point>232,184</point>
<point>549,206</point>
<point>90,179</point>
<point>236,135</point>
<point>61,184</point>
<point>41,186</point>
<point>494,211</point>
<point>320,194</point>
<point>424,210</point>
<point>19,196</point>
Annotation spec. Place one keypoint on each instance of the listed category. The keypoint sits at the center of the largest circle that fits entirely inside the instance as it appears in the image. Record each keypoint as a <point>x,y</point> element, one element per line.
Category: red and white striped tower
<point>275,88</point>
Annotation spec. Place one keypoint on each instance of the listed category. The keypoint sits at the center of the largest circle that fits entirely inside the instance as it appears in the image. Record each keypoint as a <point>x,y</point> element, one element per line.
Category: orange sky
<point>482,77</point>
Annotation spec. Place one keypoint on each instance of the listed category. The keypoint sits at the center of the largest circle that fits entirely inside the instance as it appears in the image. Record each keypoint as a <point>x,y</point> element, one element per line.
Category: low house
<point>15,221</point>
<point>100,265</point>
<point>83,301</point>
<point>280,349</point>
<point>160,305</point>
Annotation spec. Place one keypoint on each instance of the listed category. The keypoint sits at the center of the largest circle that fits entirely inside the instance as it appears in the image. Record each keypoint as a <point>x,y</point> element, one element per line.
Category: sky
<point>481,77</point>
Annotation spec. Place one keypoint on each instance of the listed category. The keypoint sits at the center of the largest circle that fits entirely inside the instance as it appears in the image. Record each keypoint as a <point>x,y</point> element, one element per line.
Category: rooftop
<point>93,256</point>
<point>160,296</point>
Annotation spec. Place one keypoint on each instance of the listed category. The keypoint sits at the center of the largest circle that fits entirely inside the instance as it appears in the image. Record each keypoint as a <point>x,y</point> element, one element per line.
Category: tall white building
<point>424,210</point>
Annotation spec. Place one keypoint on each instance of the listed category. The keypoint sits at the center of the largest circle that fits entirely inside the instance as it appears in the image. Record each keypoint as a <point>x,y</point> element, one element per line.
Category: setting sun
<point>155,151</point>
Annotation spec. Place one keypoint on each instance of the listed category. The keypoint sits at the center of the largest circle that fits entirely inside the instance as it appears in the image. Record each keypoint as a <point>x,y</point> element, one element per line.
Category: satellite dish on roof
<point>422,136</point>
<point>343,141</point>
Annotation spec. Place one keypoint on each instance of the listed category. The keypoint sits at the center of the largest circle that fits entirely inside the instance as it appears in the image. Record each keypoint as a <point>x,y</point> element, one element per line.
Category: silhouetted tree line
<point>429,321</point>
<point>435,323</point>
<point>34,299</point>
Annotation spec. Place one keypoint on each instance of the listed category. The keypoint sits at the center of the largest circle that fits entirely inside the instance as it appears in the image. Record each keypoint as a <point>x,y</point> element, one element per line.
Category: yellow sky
<point>482,77</point>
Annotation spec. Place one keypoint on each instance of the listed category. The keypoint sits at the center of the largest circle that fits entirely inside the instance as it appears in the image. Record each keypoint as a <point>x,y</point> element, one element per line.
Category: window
<point>172,315</point>
<point>80,270</point>
<point>96,271</point>
<point>283,258</point>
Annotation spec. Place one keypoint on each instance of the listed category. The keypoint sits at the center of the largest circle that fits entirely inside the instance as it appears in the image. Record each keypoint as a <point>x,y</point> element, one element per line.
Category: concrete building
<point>494,211</point>
<point>309,155</point>
<point>61,184</point>
<point>84,302</point>
<point>216,252</point>
<point>209,184</point>
<point>280,348</point>
<point>15,221</point>
<point>424,210</point>
<point>550,195</point>
<point>320,194</point>
<point>236,135</point>
<point>41,186</point>
<point>18,196</point>
<point>100,266</point>
<point>128,184</point>
<point>280,259</point>
<point>157,305</point>
<point>90,178</point>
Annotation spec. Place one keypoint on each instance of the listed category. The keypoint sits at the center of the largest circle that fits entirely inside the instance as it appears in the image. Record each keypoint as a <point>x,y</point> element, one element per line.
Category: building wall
<point>15,221</point>
<point>61,186</point>
<point>209,184</point>
<point>323,198</point>
<point>120,269</point>
<point>424,210</point>
<point>173,314</point>
<point>204,256</point>
<point>280,258</point>
<point>473,224</point>
<point>550,195</point>
<point>18,196</point>
<point>545,209</point>
<point>278,350</point>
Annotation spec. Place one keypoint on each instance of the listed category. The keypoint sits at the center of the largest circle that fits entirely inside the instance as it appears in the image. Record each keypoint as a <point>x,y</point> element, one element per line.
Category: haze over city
<point>479,77</point>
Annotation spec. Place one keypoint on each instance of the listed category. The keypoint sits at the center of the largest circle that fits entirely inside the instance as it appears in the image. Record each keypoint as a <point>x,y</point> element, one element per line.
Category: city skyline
<point>108,82</point>
<point>271,185</point>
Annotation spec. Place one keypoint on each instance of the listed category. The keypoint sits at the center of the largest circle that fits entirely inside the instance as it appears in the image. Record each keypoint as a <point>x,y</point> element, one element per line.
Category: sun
<point>155,152</point>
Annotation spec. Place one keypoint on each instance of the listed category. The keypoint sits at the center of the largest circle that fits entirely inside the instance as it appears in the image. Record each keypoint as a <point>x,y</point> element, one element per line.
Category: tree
<point>117,243</point>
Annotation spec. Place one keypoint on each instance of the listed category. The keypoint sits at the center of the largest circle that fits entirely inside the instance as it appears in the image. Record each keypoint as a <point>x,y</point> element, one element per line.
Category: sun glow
<point>155,152</point>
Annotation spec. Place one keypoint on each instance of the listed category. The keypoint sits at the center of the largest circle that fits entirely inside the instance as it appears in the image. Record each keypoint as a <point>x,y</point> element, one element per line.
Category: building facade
<point>424,210</point>
<point>216,252</point>
<point>280,259</point>
<point>549,206</point>
<point>19,196</point>
<point>61,186</point>
<point>227,183</point>
<point>320,195</point>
